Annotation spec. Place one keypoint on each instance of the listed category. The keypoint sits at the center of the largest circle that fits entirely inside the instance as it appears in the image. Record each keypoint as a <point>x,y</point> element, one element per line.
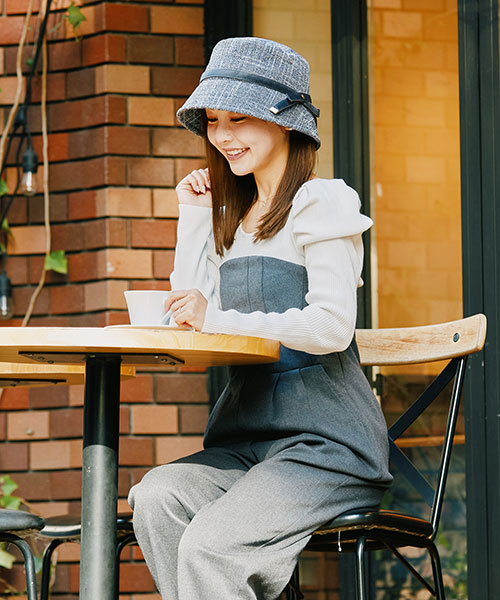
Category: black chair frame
<point>369,530</point>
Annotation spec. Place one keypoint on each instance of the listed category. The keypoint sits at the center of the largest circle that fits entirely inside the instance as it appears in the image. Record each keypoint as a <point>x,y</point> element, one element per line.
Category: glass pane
<point>417,270</point>
<point>305,27</point>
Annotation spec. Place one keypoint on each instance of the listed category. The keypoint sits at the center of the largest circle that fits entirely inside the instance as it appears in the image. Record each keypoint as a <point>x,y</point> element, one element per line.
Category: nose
<point>223,133</point>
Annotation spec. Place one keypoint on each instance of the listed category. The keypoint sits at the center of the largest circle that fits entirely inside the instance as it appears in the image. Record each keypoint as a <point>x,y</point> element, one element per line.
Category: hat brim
<point>220,93</point>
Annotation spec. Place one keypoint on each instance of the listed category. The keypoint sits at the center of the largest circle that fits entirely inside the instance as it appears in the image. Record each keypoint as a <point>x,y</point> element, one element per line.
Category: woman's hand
<point>188,307</point>
<point>195,189</point>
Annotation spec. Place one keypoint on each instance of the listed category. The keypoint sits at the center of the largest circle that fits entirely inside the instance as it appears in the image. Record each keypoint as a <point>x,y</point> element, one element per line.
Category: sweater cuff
<point>212,317</point>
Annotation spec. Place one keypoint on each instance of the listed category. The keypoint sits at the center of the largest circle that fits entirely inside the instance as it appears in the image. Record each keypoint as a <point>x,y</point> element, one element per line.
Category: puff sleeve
<point>327,228</point>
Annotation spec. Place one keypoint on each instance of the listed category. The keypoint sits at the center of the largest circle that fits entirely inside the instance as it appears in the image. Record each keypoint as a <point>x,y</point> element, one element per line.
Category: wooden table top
<point>136,346</point>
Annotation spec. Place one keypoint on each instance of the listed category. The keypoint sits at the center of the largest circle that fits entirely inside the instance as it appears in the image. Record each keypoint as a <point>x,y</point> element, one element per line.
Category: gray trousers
<point>229,523</point>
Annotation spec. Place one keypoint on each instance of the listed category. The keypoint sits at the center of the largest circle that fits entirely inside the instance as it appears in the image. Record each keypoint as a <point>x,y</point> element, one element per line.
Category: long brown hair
<point>232,195</point>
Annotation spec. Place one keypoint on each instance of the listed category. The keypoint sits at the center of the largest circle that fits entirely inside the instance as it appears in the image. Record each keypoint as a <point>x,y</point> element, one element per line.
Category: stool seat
<point>69,527</point>
<point>19,522</point>
<point>14,526</point>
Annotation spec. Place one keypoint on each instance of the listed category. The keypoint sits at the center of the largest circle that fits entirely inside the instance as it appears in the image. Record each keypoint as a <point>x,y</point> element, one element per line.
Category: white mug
<point>147,307</point>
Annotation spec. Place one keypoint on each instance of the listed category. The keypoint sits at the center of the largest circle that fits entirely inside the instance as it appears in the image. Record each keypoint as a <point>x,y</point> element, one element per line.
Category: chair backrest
<point>453,341</point>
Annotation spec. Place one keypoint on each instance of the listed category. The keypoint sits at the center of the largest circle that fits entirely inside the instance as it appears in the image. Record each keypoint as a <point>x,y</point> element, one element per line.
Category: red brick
<point>47,397</point>
<point>174,81</point>
<point>20,7</point>
<point>66,423</point>
<point>163,263</point>
<point>58,209</point>
<point>90,112</point>
<point>122,79</point>
<point>17,269</point>
<point>57,147</point>
<point>67,299</point>
<point>153,234</point>
<point>13,457</point>
<point>123,482</point>
<point>60,454</point>
<point>135,577</point>
<point>65,485</point>
<point>154,419</point>
<point>26,425</point>
<point>138,389</point>
<point>33,486</point>
<point>150,49</point>
<point>169,448</point>
<point>150,171</point>
<point>177,19</point>
<point>124,420</point>
<point>22,297</point>
<point>105,294</point>
<point>189,51</point>
<point>64,55</point>
<point>122,17</point>
<point>125,263</point>
<point>3,424</point>
<point>108,140</point>
<point>68,236</point>
<point>10,29</point>
<point>136,451</point>
<point>81,83</point>
<point>35,266</point>
<point>181,388</point>
<point>11,59</point>
<point>103,49</point>
<point>193,419</point>
<point>56,88</point>
<point>82,205</point>
<point>183,166</point>
<point>177,142</point>
<point>82,267</point>
<point>105,233</point>
<point>106,170</point>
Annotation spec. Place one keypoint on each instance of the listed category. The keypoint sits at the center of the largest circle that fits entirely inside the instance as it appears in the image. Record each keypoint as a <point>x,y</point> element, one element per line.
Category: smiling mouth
<point>235,154</point>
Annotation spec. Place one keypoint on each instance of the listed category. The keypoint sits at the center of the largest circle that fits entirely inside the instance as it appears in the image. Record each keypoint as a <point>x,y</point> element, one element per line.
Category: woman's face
<point>249,145</point>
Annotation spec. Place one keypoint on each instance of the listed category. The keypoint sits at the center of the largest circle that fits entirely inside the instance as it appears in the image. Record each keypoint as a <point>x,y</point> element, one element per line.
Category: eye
<point>211,120</point>
<point>237,119</point>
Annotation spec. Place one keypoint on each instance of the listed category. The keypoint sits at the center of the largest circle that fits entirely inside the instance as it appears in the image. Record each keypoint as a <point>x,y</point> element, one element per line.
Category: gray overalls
<point>288,446</point>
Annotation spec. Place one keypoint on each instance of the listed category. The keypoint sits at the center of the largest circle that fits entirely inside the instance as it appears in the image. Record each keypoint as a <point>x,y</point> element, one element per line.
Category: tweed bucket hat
<point>256,77</point>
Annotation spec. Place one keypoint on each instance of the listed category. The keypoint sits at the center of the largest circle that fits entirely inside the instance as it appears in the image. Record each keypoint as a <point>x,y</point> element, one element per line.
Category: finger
<point>173,297</point>
<point>198,181</point>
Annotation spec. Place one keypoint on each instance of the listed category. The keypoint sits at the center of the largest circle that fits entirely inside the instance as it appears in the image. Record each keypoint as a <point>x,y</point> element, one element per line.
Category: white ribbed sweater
<point>323,233</point>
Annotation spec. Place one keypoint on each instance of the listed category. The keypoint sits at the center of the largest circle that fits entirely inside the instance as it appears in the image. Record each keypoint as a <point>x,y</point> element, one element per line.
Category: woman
<point>265,249</point>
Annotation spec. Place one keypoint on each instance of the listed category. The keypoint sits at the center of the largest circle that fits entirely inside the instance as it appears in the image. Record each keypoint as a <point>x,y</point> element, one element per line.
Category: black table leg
<point>100,477</point>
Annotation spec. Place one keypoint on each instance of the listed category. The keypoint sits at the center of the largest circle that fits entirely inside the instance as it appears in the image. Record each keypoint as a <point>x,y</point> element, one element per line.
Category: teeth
<point>235,152</point>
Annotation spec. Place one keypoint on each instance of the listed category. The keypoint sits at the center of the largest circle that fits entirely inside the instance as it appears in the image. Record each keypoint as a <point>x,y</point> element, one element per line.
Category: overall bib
<point>288,446</point>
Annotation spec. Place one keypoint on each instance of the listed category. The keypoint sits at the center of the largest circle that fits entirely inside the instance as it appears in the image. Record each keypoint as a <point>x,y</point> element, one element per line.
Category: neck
<point>267,184</point>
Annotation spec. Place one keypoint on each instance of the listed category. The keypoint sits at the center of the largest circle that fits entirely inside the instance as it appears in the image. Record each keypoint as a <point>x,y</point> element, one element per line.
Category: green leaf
<point>56,261</point>
<point>30,61</point>
<point>11,502</point>
<point>3,188</point>
<point>6,559</point>
<point>75,16</point>
<point>5,227</point>
<point>7,485</point>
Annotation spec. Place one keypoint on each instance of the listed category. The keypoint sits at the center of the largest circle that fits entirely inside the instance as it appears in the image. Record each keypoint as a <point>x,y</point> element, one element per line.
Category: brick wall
<point>115,154</point>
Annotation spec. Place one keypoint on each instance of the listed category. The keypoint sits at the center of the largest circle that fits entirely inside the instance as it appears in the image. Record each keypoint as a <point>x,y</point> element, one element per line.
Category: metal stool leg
<point>292,590</point>
<point>29,563</point>
<point>437,573</point>
<point>360,569</point>
<point>46,564</point>
<point>120,545</point>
